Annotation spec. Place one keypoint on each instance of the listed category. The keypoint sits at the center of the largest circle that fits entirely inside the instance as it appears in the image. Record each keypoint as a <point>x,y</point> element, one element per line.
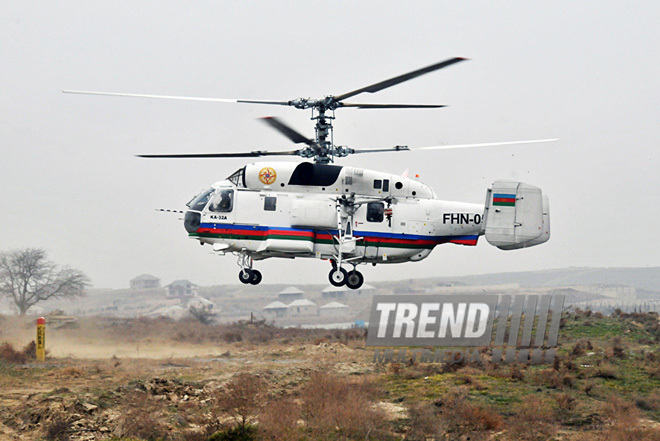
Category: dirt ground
<point>157,379</point>
<point>90,377</point>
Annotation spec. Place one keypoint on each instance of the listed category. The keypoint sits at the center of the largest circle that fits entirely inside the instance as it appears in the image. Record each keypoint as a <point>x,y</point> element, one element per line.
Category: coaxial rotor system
<point>322,148</point>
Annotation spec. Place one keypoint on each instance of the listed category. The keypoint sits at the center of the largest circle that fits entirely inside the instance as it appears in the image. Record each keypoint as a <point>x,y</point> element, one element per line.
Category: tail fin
<point>517,215</point>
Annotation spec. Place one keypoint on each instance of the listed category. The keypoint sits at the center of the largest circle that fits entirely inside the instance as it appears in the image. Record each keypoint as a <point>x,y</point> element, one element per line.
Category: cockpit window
<point>238,178</point>
<point>222,201</point>
<point>199,202</point>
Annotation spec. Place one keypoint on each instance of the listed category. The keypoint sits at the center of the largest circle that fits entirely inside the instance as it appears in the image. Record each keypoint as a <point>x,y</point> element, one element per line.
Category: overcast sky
<point>585,72</point>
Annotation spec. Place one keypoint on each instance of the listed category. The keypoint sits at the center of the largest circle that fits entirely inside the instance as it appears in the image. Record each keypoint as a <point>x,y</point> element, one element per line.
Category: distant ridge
<point>641,278</point>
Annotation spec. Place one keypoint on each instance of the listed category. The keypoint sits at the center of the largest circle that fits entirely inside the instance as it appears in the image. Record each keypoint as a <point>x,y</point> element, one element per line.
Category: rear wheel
<point>256,277</point>
<point>354,280</point>
<point>246,275</point>
<point>338,277</point>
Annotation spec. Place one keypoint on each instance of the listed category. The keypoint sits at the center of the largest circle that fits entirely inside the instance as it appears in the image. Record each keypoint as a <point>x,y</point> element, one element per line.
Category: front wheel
<point>338,277</point>
<point>355,279</point>
<point>245,275</point>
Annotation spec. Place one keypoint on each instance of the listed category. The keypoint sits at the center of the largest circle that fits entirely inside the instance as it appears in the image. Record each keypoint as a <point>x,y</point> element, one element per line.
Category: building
<point>302,308</point>
<point>289,294</point>
<point>333,309</point>
<point>333,293</point>
<point>275,309</point>
<point>145,281</point>
<point>343,293</point>
<point>181,289</point>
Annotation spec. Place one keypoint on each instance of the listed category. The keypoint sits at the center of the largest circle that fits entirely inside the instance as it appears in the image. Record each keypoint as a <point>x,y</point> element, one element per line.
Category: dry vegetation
<point>192,382</point>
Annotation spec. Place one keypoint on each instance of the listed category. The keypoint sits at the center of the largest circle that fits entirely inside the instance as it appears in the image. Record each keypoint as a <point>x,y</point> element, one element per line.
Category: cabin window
<point>270,203</point>
<point>222,201</point>
<point>375,211</point>
<point>386,185</point>
<point>378,184</point>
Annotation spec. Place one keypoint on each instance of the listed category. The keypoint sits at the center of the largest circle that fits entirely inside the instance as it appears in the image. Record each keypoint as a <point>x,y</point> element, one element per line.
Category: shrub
<point>57,429</point>
<point>533,420</point>
<point>579,349</point>
<point>618,349</point>
<point>278,420</point>
<point>332,404</point>
<point>623,420</point>
<point>565,406</point>
<point>141,420</point>
<point>606,371</point>
<point>238,433</point>
<point>242,398</point>
<point>424,422</point>
<point>11,355</point>
<point>461,418</point>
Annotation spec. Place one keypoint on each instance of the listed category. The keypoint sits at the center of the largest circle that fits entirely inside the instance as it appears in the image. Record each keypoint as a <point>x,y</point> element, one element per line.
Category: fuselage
<point>290,209</point>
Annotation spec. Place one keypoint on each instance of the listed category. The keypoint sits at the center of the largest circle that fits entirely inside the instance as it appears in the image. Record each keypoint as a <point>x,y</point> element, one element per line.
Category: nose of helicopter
<point>191,221</point>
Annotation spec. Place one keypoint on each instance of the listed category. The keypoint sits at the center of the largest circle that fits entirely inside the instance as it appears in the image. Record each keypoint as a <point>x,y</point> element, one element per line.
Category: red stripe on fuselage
<point>256,233</point>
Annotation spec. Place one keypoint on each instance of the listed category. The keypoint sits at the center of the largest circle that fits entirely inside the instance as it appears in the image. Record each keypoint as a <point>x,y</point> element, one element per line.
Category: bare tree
<point>27,277</point>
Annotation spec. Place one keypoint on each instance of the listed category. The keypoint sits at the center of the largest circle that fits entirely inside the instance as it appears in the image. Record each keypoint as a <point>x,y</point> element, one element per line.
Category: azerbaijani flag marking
<point>505,200</point>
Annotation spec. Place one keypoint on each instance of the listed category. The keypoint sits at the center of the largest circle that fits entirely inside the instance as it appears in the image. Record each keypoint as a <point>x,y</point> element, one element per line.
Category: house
<point>343,293</point>
<point>181,289</point>
<point>333,309</point>
<point>275,309</point>
<point>302,308</point>
<point>145,281</point>
<point>289,294</point>
<point>334,293</point>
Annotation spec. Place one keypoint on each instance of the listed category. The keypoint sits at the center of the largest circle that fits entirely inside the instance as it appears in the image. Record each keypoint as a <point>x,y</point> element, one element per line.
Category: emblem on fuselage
<point>267,175</point>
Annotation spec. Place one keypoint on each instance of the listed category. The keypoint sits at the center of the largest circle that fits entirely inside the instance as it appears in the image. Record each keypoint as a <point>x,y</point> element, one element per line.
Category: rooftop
<point>302,302</point>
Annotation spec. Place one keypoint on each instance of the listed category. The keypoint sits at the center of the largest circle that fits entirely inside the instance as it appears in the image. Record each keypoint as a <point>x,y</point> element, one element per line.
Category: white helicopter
<point>347,215</point>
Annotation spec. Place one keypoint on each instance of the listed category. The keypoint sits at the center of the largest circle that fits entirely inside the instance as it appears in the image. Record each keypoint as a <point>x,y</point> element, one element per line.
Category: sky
<point>584,72</point>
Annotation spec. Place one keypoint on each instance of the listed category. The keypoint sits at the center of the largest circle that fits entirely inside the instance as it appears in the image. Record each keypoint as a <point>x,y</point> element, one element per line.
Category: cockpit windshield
<point>199,202</point>
<point>238,178</point>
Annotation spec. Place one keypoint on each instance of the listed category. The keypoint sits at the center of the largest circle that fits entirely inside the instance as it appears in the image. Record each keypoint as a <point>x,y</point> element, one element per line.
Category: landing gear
<point>250,276</point>
<point>247,275</point>
<point>339,277</point>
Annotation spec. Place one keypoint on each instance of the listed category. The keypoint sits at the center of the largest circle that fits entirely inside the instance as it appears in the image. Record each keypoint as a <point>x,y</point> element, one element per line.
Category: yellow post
<point>41,339</point>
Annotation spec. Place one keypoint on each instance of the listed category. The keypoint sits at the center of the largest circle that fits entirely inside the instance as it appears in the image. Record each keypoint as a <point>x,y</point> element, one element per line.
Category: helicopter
<point>348,216</point>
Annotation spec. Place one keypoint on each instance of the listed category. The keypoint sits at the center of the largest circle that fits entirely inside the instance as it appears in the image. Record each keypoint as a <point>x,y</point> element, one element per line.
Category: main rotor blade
<point>392,106</point>
<point>182,98</point>
<point>486,144</point>
<point>400,79</point>
<point>398,148</point>
<point>287,131</point>
<point>224,155</point>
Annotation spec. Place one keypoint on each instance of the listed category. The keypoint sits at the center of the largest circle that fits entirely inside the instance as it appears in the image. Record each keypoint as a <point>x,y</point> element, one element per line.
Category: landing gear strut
<point>346,245</point>
<point>248,275</point>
